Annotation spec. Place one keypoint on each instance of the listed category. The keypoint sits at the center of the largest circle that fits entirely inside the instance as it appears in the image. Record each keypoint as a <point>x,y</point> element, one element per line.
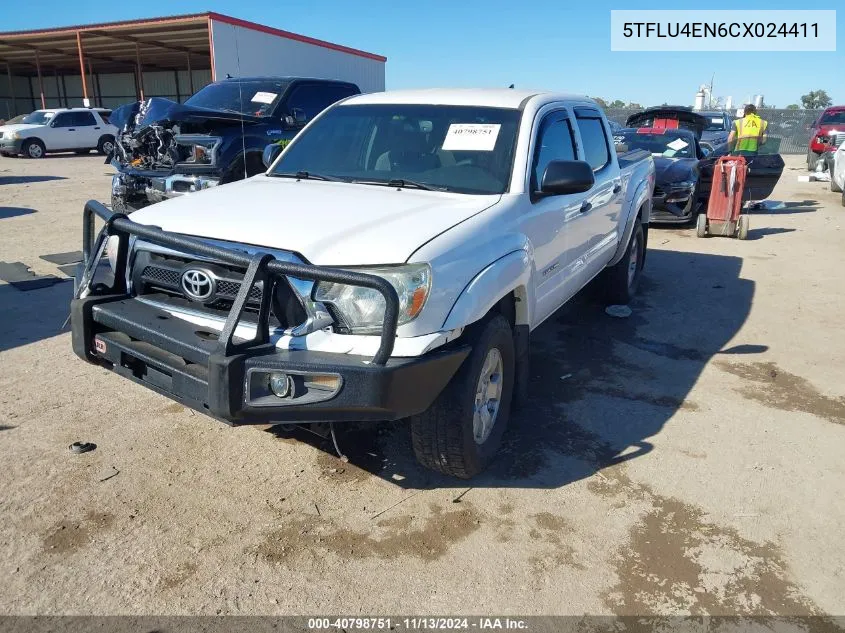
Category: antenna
<point>240,99</point>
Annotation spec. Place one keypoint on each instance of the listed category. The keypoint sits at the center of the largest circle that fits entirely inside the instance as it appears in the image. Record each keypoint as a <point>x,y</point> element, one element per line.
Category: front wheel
<point>620,281</point>
<point>812,160</point>
<point>461,432</point>
<point>833,186</point>
<point>34,148</point>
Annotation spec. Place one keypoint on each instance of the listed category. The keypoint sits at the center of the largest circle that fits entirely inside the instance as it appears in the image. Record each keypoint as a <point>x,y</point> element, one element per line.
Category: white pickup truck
<point>391,263</point>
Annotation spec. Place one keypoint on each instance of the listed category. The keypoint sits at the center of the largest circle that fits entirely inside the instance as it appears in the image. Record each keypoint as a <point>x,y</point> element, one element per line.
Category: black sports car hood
<point>160,110</point>
<point>673,170</point>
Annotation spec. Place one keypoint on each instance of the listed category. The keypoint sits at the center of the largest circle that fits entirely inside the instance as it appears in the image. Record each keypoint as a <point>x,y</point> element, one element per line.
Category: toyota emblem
<point>197,284</point>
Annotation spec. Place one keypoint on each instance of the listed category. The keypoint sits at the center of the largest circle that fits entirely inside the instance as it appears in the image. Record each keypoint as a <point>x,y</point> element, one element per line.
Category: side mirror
<point>270,154</point>
<point>567,176</point>
<point>296,118</point>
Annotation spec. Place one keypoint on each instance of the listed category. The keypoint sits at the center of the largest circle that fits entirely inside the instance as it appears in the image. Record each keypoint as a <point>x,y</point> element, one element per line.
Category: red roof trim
<point>293,36</point>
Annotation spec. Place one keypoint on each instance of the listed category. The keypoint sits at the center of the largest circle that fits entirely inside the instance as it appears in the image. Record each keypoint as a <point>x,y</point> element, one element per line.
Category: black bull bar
<point>221,376</point>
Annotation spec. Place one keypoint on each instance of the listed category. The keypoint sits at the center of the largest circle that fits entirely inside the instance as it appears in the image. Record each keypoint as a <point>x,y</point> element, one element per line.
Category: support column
<point>14,109</point>
<point>140,70</point>
<point>82,68</point>
<point>190,74</point>
<point>40,81</point>
<point>93,85</point>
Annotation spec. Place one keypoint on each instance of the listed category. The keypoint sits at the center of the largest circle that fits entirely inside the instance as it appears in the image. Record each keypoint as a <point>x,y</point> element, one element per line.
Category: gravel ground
<point>687,459</point>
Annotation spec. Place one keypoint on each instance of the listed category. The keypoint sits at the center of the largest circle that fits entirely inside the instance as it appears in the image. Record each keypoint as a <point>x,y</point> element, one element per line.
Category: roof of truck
<point>489,97</point>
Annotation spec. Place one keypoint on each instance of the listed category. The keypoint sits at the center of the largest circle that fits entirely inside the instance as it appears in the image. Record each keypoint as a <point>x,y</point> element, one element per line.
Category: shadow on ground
<point>20,180</point>
<point>600,386</point>
<point>12,212</point>
<point>757,234</point>
<point>33,315</point>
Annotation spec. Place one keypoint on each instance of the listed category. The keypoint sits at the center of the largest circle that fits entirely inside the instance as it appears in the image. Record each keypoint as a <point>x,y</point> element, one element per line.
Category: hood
<point>714,136</point>
<point>672,170</point>
<point>159,110</point>
<point>686,118</point>
<point>328,223</point>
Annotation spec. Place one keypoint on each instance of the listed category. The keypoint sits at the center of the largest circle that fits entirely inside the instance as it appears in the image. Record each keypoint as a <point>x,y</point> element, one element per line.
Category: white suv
<point>59,130</point>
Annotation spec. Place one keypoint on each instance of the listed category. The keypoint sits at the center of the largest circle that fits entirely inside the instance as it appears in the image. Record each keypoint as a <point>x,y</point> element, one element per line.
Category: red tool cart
<point>724,208</point>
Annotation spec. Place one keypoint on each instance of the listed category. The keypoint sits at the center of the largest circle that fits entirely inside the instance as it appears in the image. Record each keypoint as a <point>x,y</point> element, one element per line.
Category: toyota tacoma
<point>391,263</point>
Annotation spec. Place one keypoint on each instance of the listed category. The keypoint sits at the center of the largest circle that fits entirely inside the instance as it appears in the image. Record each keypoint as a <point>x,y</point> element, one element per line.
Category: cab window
<point>594,138</point>
<point>554,142</point>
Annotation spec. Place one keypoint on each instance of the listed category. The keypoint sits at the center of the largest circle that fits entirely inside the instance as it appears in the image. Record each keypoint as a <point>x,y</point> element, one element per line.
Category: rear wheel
<point>105,145</point>
<point>34,148</point>
<point>833,186</point>
<point>461,432</point>
<point>742,227</point>
<point>621,280</point>
<point>701,225</point>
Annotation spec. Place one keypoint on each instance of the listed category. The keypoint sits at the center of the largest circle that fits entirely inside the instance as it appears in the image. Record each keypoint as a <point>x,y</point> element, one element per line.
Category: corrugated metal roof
<point>162,44</point>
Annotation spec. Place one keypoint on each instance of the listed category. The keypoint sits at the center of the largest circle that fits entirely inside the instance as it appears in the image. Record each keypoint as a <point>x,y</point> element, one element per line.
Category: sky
<point>543,44</point>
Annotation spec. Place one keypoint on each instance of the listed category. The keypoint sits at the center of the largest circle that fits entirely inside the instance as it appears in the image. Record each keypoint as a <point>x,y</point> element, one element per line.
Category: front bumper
<point>178,360</point>
<point>225,376</point>
<point>11,146</point>
<point>673,206</point>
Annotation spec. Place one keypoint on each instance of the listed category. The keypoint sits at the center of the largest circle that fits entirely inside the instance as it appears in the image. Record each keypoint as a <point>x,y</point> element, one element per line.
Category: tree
<point>616,103</point>
<point>600,101</point>
<point>816,99</point>
<point>634,106</point>
<point>793,106</point>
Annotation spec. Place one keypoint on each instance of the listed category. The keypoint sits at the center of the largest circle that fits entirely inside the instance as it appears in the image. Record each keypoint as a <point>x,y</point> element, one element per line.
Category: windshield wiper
<point>306,175</point>
<point>401,183</point>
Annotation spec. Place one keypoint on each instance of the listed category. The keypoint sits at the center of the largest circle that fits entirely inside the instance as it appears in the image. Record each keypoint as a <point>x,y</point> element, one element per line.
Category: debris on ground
<point>618,311</point>
<point>81,447</point>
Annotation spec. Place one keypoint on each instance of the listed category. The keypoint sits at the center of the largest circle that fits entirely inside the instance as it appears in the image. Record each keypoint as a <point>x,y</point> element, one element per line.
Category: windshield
<point>38,117</point>
<point>832,118</point>
<point>465,149</point>
<point>666,143</point>
<point>255,97</point>
<point>715,124</point>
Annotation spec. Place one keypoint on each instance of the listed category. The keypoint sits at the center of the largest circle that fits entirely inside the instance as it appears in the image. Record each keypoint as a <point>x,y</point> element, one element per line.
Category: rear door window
<point>83,119</point>
<point>594,139</point>
<point>63,119</point>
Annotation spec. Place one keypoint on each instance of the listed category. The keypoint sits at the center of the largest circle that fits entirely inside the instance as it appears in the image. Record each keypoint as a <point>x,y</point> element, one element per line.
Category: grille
<point>1,134</point>
<point>165,276</point>
<point>171,279</point>
<point>838,139</point>
<point>658,191</point>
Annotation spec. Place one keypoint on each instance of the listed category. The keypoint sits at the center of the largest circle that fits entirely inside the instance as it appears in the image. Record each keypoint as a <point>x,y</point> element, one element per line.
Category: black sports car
<point>684,164</point>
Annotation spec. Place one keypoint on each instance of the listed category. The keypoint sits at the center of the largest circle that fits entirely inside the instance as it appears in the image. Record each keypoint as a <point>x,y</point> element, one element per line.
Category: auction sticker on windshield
<point>677,145</point>
<point>472,137</point>
<point>265,97</point>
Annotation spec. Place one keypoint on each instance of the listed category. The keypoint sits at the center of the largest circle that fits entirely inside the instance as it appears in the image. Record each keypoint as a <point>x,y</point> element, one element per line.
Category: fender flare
<point>509,273</point>
<point>640,199</point>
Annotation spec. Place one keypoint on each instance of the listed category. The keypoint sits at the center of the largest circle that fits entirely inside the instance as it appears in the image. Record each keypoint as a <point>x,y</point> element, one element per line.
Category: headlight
<point>111,250</point>
<point>685,184</point>
<point>197,149</point>
<point>361,310</point>
<point>15,135</point>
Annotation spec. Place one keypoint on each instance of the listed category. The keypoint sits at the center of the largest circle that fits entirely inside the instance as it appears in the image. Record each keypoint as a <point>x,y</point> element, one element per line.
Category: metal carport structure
<point>114,63</point>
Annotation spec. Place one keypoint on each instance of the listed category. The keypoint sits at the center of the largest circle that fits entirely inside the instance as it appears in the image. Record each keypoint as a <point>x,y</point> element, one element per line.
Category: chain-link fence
<point>789,130</point>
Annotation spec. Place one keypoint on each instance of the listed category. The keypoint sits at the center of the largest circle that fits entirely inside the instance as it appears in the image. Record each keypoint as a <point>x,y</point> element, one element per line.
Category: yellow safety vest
<point>749,132</point>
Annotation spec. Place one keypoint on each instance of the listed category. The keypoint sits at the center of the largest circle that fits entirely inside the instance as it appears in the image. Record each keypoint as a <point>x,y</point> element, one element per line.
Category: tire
<point>701,225</point>
<point>106,144</point>
<point>742,227</point>
<point>833,186</point>
<point>812,160</point>
<point>620,281</point>
<point>843,198</point>
<point>450,437</point>
<point>34,148</point>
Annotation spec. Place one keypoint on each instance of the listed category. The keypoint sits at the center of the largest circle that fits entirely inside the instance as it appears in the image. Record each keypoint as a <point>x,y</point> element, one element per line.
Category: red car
<point>827,133</point>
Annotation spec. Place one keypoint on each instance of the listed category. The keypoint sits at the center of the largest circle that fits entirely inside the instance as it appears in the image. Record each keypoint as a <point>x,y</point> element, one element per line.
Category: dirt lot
<point>687,459</point>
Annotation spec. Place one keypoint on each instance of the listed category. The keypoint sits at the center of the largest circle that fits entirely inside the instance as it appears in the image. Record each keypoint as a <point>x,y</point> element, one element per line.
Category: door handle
<point>617,188</point>
<point>97,128</point>
<point>586,206</point>
<point>71,129</point>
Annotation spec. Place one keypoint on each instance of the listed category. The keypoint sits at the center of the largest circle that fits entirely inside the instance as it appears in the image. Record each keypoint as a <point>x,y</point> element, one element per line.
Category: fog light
<point>280,384</point>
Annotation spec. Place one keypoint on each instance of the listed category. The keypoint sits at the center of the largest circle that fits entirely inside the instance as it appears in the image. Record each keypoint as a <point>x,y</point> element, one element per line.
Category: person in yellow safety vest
<point>749,133</point>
